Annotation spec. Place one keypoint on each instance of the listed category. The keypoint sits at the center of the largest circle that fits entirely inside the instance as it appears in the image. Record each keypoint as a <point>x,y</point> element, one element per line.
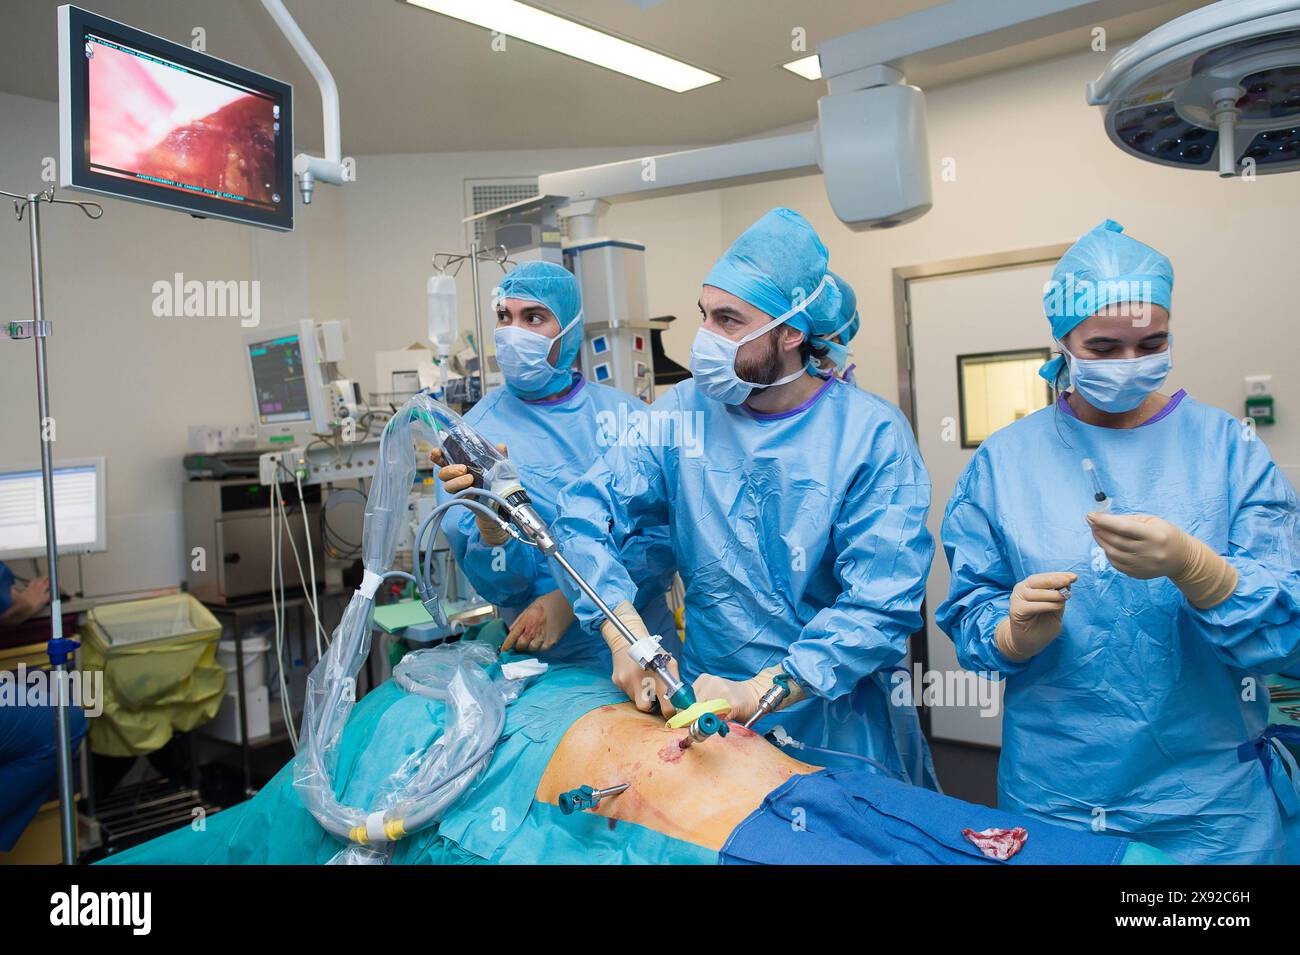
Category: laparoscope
<point>498,493</point>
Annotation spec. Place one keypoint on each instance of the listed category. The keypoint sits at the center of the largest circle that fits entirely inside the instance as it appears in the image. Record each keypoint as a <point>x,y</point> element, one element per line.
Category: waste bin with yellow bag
<point>160,670</point>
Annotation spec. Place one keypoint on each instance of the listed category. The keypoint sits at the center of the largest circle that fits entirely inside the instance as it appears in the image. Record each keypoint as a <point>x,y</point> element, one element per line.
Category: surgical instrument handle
<point>770,700</point>
<point>707,725</point>
<point>586,797</point>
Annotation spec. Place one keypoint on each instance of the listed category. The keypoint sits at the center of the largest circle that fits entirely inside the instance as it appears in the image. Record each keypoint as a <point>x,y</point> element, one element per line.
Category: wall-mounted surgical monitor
<point>288,384</point>
<point>145,119</point>
<point>78,509</point>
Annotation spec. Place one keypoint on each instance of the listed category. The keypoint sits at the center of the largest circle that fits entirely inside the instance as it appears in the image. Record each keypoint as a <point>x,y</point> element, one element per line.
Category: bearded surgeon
<point>797,520</point>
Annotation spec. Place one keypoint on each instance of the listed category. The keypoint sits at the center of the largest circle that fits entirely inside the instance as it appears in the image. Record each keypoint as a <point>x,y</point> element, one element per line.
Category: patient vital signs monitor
<point>288,384</point>
<point>78,509</point>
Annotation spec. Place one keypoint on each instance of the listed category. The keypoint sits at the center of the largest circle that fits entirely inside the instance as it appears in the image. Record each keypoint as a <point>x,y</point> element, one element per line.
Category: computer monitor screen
<point>78,509</point>
<point>279,380</point>
<point>146,119</point>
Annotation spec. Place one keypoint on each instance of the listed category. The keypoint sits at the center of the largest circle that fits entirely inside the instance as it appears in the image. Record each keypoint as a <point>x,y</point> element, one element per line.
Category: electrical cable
<point>311,564</point>
<point>277,614</point>
<point>302,579</point>
<point>349,550</point>
<point>780,738</point>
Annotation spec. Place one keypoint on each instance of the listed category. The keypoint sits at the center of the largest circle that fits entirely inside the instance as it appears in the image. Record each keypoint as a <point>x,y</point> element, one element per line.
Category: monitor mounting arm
<point>312,169</point>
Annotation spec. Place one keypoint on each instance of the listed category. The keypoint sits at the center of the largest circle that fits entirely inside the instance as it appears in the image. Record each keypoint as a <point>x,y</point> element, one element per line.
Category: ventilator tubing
<point>424,786</point>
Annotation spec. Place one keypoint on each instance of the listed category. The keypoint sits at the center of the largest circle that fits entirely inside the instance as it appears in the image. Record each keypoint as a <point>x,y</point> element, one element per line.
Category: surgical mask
<point>839,356</point>
<point>713,358</point>
<point>1116,385</point>
<point>837,352</point>
<point>524,358</point>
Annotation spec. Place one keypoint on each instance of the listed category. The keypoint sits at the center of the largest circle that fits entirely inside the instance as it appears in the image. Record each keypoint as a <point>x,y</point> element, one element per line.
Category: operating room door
<point>967,313</point>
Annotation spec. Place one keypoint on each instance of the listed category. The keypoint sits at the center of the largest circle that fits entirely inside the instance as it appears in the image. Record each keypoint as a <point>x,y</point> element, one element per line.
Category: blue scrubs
<point>553,441</point>
<point>1132,718</point>
<point>29,764</point>
<point>801,540</point>
<point>6,587</point>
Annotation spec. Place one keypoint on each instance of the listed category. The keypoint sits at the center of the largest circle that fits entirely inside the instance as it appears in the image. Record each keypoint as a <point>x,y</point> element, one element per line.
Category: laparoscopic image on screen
<point>163,123</point>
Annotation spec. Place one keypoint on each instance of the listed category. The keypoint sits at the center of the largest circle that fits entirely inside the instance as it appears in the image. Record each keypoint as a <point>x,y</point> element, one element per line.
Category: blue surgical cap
<point>847,324</point>
<point>776,263</point>
<point>553,287</point>
<point>1105,267</point>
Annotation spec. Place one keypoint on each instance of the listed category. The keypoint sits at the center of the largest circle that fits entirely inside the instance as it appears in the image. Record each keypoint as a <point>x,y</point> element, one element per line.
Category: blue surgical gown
<point>552,442</point>
<point>1131,719</point>
<point>29,766</point>
<point>801,540</point>
<point>6,587</point>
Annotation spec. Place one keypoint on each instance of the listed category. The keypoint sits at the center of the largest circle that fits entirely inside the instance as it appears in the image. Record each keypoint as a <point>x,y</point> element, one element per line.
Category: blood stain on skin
<point>741,732</point>
<point>671,753</point>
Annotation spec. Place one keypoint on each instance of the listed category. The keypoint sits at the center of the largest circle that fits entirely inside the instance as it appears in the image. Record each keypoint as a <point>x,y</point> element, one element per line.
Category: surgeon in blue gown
<point>1135,700</point>
<point>554,424</point>
<point>796,505</point>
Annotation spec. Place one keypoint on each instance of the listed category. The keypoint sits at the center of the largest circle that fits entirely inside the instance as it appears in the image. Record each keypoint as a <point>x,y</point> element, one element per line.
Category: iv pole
<point>60,648</point>
<point>451,262</point>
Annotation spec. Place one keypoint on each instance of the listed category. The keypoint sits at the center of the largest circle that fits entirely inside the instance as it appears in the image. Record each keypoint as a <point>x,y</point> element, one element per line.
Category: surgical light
<point>809,67</point>
<point>573,39</point>
<point>1218,88</point>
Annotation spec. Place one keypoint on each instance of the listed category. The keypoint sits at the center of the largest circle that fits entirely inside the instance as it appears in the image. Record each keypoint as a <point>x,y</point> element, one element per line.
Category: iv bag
<point>441,292</point>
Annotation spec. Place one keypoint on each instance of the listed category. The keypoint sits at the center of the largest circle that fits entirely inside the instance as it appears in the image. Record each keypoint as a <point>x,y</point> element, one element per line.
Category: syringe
<point>1098,493</point>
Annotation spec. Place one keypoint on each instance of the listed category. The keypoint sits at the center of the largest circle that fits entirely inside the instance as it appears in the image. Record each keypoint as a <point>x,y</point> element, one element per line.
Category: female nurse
<point>554,424</point>
<point>1128,560</point>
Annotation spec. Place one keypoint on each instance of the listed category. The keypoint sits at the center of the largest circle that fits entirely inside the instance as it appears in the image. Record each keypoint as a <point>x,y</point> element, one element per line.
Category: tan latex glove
<point>1037,612</point>
<point>1146,547</point>
<point>744,695</point>
<point>455,478</point>
<point>541,624</point>
<point>641,686</point>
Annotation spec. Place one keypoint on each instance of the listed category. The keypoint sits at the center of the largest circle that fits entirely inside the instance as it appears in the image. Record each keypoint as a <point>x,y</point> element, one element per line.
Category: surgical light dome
<point>1218,88</point>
